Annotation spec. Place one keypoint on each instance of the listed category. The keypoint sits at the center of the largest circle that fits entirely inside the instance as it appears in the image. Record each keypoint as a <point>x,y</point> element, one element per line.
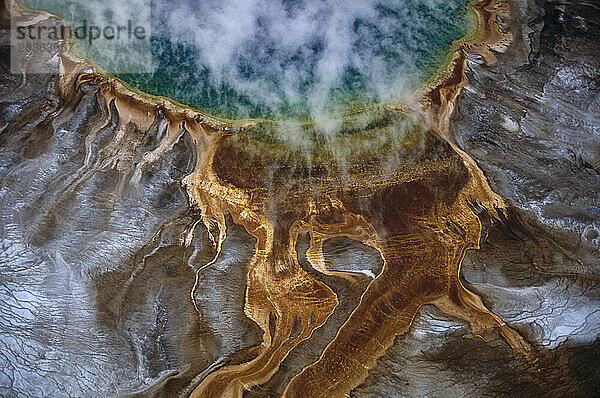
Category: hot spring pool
<point>279,59</point>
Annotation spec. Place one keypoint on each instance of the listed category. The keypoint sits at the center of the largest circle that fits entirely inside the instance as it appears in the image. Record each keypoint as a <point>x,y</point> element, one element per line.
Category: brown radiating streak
<point>413,196</point>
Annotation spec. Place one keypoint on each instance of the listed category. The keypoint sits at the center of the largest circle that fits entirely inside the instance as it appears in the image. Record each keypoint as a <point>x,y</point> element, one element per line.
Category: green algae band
<point>282,59</point>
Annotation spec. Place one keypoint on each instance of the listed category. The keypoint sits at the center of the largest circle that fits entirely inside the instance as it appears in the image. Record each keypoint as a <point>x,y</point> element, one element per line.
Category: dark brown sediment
<point>416,201</point>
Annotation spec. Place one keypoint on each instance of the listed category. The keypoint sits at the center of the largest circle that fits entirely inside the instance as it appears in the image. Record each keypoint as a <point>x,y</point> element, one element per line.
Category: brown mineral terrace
<point>402,187</point>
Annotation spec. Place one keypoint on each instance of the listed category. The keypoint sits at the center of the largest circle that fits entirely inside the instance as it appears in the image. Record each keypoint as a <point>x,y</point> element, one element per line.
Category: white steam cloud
<point>282,51</point>
<point>278,56</point>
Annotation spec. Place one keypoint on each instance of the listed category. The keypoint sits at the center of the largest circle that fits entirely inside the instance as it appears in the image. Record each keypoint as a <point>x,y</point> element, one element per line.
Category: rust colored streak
<point>422,245</point>
<point>417,214</point>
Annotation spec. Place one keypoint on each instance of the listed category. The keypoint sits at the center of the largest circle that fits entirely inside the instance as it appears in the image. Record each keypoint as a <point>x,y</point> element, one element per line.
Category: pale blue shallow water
<point>288,59</point>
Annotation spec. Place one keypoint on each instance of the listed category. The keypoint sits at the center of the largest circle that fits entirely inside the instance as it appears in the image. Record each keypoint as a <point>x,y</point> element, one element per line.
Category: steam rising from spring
<point>259,58</point>
<point>279,59</point>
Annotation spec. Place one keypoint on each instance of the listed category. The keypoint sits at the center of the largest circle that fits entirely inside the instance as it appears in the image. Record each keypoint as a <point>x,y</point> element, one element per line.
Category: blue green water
<point>285,59</point>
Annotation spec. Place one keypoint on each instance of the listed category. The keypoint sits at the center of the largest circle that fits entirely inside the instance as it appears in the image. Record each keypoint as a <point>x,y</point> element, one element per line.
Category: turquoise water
<point>286,59</point>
